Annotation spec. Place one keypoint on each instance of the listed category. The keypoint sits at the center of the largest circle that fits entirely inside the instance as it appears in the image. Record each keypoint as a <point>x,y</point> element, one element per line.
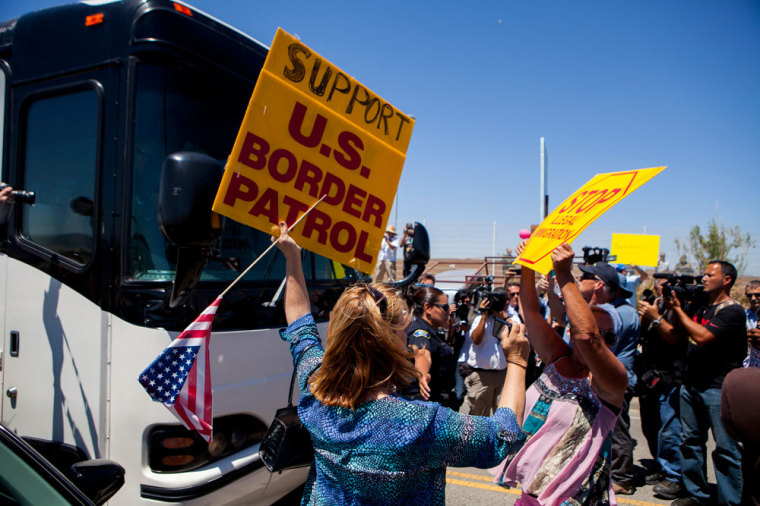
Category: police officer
<point>434,358</point>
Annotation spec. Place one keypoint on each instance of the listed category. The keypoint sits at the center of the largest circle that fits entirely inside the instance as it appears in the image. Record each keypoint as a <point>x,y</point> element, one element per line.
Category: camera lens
<point>24,197</point>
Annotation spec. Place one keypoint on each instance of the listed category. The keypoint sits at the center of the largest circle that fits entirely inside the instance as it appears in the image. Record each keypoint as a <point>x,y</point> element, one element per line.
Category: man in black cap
<point>601,284</point>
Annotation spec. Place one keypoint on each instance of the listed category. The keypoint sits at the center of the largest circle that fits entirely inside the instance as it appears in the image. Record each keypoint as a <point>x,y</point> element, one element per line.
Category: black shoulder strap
<point>293,377</point>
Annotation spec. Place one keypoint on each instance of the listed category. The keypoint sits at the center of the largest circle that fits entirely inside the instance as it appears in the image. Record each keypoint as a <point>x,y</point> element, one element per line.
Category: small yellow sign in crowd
<point>636,249</point>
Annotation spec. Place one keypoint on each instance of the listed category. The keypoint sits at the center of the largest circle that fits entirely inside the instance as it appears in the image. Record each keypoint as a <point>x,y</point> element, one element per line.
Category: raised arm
<point>608,372</point>
<point>544,339</point>
<point>296,295</point>
<point>516,349</point>
<point>477,331</point>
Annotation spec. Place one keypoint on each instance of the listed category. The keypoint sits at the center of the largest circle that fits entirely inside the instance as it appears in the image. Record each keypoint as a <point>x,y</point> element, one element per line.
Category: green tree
<point>717,243</point>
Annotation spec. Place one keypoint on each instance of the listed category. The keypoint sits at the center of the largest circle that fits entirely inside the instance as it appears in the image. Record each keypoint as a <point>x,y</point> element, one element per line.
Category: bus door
<point>56,348</point>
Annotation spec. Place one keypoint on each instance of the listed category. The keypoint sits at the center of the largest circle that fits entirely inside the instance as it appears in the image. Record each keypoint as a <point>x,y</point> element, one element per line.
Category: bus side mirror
<point>186,193</point>
<point>419,256</point>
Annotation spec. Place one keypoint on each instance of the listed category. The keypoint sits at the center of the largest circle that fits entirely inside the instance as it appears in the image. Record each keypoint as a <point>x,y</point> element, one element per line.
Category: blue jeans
<point>700,411</point>
<point>669,436</point>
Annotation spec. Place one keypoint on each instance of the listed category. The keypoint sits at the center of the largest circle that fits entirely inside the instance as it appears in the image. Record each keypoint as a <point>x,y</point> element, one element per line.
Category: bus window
<point>60,165</point>
<point>183,109</point>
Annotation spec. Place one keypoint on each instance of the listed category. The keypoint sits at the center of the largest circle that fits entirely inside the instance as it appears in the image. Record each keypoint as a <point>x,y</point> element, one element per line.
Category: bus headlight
<point>174,449</point>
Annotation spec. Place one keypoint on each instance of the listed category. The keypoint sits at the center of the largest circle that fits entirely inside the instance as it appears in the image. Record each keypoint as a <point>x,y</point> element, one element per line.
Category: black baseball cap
<point>608,274</point>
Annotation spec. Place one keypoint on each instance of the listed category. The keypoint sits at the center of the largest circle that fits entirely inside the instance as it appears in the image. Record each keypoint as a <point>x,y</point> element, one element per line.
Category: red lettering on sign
<point>291,165</point>
<point>352,159</point>
<point>583,196</point>
<point>296,125</point>
<point>603,197</point>
<point>353,199</point>
<point>309,174</point>
<point>294,207</point>
<point>241,188</point>
<point>335,237</point>
<point>253,146</point>
<point>267,205</point>
<point>361,248</point>
<point>319,222</point>
<point>332,181</point>
<point>374,209</point>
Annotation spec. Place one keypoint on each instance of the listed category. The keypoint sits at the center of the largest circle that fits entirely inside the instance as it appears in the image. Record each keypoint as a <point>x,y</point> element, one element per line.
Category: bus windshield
<point>180,108</point>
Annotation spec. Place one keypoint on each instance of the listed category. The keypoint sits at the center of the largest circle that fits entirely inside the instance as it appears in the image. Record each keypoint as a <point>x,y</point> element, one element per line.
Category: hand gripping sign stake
<point>271,246</point>
<point>180,377</point>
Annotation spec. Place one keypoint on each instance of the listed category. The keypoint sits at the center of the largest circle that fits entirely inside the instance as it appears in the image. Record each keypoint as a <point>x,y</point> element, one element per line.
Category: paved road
<point>474,487</point>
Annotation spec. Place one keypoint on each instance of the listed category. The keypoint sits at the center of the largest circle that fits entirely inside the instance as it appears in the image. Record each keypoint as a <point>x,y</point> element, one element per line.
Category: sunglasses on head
<point>379,298</point>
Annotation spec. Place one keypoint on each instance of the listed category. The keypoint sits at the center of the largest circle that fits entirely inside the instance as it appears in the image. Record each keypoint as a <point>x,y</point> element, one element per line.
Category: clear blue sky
<point>612,86</point>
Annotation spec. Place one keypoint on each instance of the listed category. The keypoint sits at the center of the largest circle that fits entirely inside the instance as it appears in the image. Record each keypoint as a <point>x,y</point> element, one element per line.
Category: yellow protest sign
<point>312,130</point>
<point>578,211</point>
<point>636,249</point>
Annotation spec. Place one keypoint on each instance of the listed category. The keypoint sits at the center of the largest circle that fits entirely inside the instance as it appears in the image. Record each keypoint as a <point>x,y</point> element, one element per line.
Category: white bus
<point>95,98</point>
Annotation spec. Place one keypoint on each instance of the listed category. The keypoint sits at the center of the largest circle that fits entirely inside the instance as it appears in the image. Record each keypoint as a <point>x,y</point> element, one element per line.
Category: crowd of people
<point>533,381</point>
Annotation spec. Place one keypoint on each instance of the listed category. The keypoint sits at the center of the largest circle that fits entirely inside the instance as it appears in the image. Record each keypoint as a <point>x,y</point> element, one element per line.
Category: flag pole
<point>269,248</point>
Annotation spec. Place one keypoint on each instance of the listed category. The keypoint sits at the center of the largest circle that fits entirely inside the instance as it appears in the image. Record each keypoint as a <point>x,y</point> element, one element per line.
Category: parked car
<point>27,477</point>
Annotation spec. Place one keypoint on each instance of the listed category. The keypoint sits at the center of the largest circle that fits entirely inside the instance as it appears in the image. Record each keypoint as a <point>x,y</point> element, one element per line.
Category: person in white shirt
<point>385,271</point>
<point>486,364</point>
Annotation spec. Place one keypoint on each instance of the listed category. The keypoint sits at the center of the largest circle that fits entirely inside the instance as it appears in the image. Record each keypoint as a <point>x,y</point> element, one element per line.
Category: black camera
<point>497,301</point>
<point>651,297</point>
<point>687,288</point>
<point>594,255</point>
<point>498,326</point>
<point>22,196</point>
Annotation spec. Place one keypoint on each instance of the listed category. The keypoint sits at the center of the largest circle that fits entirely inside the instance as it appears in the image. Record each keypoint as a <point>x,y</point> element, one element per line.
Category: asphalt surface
<point>474,487</point>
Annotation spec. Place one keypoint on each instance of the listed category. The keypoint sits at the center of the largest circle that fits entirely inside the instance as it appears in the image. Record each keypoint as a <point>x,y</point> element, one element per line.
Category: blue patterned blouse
<point>391,450</point>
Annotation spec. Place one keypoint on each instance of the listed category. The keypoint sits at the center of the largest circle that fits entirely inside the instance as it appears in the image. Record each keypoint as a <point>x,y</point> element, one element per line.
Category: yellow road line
<point>482,486</point>
<point>470,476</point>
<point>495,488</point>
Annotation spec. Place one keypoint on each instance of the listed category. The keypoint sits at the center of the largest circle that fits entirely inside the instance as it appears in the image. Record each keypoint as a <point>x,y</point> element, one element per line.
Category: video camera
<point>22,196</point>
<point>687,288</point>
<point>497,299</point>
<point>594,255</point>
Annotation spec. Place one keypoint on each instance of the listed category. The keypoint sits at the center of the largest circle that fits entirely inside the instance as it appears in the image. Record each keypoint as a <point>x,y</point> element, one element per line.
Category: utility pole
<point>544,190</point>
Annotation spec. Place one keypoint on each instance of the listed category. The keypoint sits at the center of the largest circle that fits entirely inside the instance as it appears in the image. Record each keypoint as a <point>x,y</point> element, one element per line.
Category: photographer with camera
<point>717,343</point>
<point>662,365</point>
<point>385,272</point>
<point>407,240</point>
<point>458,330</point>
<point>752,292</point>
<point>484,364</point>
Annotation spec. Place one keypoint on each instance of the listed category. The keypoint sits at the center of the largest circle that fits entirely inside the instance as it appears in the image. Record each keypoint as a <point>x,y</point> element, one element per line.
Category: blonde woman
<point>370,444</point>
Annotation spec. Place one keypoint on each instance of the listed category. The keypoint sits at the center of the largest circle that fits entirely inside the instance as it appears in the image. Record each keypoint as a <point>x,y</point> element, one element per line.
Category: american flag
<point>180,377</point>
